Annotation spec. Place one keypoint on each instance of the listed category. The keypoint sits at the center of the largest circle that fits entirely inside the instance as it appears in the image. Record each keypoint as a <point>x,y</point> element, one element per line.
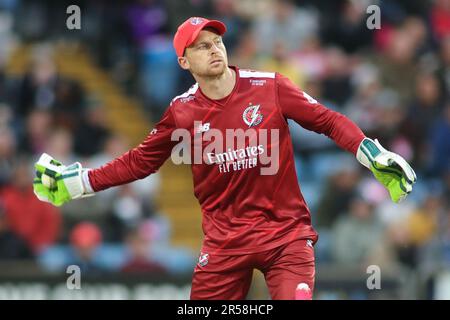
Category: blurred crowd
<point>394,82</point>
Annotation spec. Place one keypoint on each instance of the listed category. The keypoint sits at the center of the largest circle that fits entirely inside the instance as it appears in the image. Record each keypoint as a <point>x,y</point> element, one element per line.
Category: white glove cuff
<point>367,151</point>
<point>73,181</point>
<point>87,184</point>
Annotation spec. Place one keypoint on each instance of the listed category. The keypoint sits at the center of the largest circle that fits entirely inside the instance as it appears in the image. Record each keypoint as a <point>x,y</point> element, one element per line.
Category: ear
<point>184,63</point>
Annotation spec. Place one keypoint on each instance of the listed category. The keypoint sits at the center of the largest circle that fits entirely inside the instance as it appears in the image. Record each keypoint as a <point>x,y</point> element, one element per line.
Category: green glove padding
<point>389,168</point>
<point>69,184</point>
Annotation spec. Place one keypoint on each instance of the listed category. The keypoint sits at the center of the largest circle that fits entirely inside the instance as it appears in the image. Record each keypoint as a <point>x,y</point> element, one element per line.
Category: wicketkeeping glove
<point>67,181</point>
<point>388,168</point>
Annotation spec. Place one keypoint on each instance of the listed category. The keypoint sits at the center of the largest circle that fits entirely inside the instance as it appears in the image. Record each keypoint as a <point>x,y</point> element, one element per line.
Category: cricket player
<point>252,218</point>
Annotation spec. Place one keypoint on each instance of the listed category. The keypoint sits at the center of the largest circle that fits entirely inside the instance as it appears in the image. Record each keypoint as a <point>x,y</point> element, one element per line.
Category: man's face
<point>207,56</point>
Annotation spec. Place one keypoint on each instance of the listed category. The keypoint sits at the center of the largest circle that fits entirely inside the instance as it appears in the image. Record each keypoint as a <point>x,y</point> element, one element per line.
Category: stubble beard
<point>213,73</point>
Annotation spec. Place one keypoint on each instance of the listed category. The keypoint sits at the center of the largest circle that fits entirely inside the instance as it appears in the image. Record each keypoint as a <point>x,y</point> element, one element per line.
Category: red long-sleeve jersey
<point>244,210</point>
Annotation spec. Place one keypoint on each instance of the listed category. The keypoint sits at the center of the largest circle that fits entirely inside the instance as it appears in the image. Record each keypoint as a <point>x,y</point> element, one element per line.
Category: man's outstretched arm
<point>58,184</point>
<point>139,162</point>
<point>389,169</point>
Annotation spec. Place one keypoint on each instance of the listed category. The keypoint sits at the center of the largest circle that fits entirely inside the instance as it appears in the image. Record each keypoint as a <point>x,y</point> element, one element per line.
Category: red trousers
<point>229,277</point>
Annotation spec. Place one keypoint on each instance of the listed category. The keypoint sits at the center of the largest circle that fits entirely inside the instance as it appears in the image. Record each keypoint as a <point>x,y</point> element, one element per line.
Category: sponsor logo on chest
<point>257,82</point>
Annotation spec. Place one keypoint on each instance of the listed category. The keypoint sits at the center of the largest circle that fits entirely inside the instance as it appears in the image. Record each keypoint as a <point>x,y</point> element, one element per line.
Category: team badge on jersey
<point>203,259</point>
<point>252,116</point>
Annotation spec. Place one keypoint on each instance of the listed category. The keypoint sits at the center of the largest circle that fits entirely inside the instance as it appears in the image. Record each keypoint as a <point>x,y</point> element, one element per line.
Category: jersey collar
<point>223,101</point>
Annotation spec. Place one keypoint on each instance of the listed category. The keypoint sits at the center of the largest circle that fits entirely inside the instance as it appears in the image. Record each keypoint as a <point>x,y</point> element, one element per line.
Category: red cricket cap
<point>189,30</point>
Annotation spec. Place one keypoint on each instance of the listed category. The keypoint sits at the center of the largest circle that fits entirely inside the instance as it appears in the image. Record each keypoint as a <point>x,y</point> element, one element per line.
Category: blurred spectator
<point>3,80</point>
<point>245,54</point>
<point>37,88</point>
<point>336,84</point>
<point>147,190</point>
<point>337,196</point>
<point>423,222</point>
<point>435,255</point>
<point>397,67</point>
<point>96,209</point>
<point>440,144</point>
<point>280,61</point>
<point>33,19</point>
<point>444,68</point>
<point>391,214</point>
<point>427,103</point>
<point>43,88</point>
<point>127,209</point>
<point>131,204</point>
<point>416,29</point>
<point>159,76</point>
<point>423,112</point>
<point>348,29</point>
<point>390,113</point>
<point>69,104</point>
<point>361,106</point>
<point>125,205</point>
<point>411,27</point>
<point>147,19</point>
<point>413,230</point>
<point>138,248</point>
<point>311,59</point>
<point>398,238</point>
<point>287,24</point>
<point>36,221</point>
<point>251,10</point>
<point>92,133</point>
<point>225,11</point>
<point>85,239</point>
<point>113,146</point>
<point>405,237</point>
<point>440,19</point>
<point>6,115</point>
<point>36,133</point>
<point>446,186</point>
<point>12,246</point>
<point>8,39</point>
<point>60,145</point>
<point>7,154</point>
<point>357,234</point>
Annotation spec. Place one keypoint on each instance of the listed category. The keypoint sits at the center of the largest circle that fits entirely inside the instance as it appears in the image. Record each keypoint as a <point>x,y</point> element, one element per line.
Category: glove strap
<point>74,176</point>
<point>51,167</point>
<point>367,151</point>
<point>72,180</point>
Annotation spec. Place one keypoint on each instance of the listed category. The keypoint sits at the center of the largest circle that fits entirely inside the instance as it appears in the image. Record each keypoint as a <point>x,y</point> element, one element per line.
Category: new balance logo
<point>203,128</point>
